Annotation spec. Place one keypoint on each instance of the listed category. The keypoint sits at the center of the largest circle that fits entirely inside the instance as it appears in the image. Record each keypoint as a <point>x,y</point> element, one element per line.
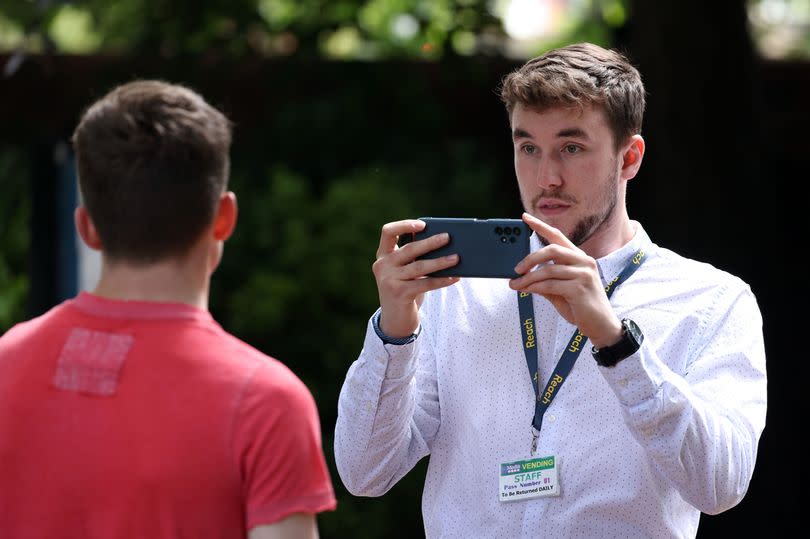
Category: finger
<point>546,231</point>
<point>392,231</point>
<point>549,272</point>
<point>547,288</point>
<point>557,254</point>
<point>394,276</point>
<point>420,268</point>
<point>415,249</point>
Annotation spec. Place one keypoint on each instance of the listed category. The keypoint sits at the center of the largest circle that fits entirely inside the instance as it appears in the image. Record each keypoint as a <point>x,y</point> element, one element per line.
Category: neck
<point>611,236</point>
<point>176,280</point>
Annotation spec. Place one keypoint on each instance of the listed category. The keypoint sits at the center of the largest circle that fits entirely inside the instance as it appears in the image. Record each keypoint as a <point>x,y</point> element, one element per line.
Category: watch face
<point>633,330</point>
<point>631,340</point>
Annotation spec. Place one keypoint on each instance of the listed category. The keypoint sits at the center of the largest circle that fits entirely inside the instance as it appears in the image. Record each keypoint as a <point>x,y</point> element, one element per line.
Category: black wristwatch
<point>632,337</point>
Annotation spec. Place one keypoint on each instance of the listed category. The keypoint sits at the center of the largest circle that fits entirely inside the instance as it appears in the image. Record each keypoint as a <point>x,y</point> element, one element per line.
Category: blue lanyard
<point>570,354</point>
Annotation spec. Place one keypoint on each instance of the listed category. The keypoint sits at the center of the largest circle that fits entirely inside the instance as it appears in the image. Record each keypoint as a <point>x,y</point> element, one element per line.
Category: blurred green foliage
<point>14,235</point>
<point>235,28</point>
<point>342,29</point>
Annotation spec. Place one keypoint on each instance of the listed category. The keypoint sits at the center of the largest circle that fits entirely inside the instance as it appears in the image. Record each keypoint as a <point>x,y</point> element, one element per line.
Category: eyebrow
<point>520,133</point>
<point>573,132</point>
<point>570,132</point>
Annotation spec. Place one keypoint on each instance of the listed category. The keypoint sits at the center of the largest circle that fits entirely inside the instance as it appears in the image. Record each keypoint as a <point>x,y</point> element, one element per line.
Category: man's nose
<point>548,173</point>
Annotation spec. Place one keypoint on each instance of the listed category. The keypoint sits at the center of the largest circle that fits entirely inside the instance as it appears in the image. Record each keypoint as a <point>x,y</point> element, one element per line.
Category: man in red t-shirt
<point>130,412</point>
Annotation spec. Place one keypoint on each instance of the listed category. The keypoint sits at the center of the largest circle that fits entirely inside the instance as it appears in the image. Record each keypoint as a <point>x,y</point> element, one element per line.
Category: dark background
<point>325,152</point>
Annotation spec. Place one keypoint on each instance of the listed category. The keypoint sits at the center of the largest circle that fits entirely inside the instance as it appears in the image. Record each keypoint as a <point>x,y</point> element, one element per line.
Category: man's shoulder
<point>678,268</point>
<point>268,369</point>
<point>222,356</point>
<point>271,385</point>
<point>673,281</point>
<point>35,328</point>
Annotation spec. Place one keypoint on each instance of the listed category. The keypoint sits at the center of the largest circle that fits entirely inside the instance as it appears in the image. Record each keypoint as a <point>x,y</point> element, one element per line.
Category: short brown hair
<point>152,161</point>
<point>580,75</point>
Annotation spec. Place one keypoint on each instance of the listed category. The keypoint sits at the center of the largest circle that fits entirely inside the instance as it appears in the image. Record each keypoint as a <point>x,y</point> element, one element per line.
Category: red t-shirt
<point>139,419</point>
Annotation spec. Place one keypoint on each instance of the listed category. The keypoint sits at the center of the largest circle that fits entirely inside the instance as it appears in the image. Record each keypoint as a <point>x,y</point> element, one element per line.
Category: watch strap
<point>630,342</point>
<point>375,323</point>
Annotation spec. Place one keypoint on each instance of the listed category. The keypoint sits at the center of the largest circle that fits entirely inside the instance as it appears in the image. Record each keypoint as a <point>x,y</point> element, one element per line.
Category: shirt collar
<point>146,310</point>
<point>611,265</point>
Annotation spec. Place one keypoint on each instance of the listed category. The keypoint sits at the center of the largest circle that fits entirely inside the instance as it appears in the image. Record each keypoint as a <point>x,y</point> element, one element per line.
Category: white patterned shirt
<point>642,447</point>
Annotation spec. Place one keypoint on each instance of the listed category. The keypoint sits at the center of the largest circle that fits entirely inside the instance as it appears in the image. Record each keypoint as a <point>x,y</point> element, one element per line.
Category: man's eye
<point>529,149</point>
<point>571,148</point>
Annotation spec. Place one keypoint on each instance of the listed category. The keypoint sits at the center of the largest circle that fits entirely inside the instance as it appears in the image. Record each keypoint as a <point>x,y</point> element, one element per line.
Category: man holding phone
<point>614,388</point>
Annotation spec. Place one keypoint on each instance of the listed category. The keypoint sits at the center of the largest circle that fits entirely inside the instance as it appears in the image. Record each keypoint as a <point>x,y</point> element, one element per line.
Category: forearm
<point>386,413</point>
<point>700,431</point>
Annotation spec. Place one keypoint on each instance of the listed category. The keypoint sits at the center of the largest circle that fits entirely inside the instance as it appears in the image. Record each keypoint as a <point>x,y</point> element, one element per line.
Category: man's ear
<point>86,229</point>
<point>632,155</point>
<point>225,217</point>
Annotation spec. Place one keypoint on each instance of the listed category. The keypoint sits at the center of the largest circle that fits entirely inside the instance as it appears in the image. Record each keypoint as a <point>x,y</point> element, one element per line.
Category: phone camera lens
<point>508,231</point>
<point>498,230</point>
<point>517,231</point>
<point>512,239</point>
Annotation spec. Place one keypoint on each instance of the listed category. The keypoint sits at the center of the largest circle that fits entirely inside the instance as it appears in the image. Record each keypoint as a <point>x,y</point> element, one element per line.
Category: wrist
<point>387,338</point>
<point>630,342</point>
<point>611,335</point>
<point>396,322</point>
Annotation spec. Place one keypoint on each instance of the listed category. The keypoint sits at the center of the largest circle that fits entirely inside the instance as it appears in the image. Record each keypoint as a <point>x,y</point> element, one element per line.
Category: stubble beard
<point>586,227</point>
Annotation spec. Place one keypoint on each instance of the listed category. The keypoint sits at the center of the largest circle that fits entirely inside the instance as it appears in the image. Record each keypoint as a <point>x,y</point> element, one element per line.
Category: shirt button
<point>552,418</point>
<point>370,406</point>
<point>648,433</point>
<point>623,382</point>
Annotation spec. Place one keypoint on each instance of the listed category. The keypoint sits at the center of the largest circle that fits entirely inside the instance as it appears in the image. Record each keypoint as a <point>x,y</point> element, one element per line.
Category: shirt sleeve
<point>700,428</point>
<point>388,413</point>
<point>278,447</point>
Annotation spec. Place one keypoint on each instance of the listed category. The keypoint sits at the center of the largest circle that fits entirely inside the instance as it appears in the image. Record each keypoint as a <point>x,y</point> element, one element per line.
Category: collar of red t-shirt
<point>148,310</point>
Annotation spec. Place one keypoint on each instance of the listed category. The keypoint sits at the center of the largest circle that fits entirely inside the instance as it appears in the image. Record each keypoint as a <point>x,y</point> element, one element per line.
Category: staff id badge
<point>527,479</point>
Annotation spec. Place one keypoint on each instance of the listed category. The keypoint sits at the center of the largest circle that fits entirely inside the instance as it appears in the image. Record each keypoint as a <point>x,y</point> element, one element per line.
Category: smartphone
<point>486,247</point>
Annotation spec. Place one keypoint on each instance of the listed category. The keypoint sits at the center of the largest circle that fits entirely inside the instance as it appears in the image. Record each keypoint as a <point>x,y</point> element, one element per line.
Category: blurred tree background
<point>352,113</point>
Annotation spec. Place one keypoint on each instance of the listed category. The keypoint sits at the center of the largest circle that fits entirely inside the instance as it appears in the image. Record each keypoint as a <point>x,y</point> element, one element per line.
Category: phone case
<point>486,247</point>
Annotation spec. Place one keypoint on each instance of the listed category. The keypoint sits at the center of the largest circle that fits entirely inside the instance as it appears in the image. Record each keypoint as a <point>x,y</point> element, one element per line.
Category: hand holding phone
<point>399,277</point>
<point>486,247</point>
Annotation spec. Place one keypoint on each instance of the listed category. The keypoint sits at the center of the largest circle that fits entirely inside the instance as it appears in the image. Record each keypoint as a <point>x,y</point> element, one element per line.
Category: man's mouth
<point>552,206</point>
